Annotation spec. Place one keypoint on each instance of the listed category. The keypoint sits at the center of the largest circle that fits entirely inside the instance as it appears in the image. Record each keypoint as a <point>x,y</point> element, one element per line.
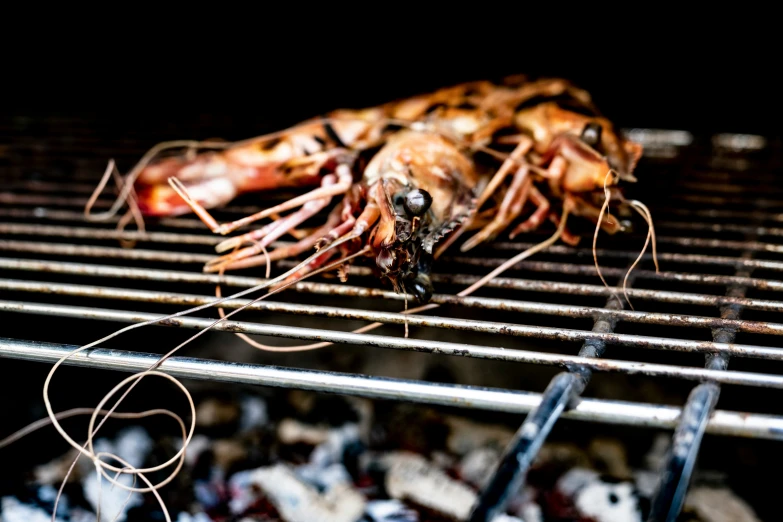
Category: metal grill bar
<point>419,345</point>
<point>205,239</point>
<point>741,229</point>
<point>173,276</point>
<point>727,214</point>
<point>531,435</point>
<point>587,254</point>
<point>180,257</point>
<point>675,478</point>
<point>70,215</point>
<point>519,402</point>
<point>103,292</point>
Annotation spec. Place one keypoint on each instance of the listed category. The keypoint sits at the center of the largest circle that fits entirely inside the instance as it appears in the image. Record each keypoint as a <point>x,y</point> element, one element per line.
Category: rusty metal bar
<point>728,423</point>
<point>520,453</point>
<point>528,285</point>
<point>568,362</point>
<point>675,477</point>
<point>71,215</point>
<point>109,233</point>
<point>207,239</point>
<point>571,311</point>
<point>587,254</point>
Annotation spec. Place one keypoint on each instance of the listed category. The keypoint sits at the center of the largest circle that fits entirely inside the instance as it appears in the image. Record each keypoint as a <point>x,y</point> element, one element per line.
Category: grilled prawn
<point>410,173</point>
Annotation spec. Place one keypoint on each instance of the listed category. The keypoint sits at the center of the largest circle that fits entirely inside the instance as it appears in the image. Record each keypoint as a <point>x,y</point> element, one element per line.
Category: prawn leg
<point>344,182</point>
<point>565,235</point>
<point>609,223</point>
<point>523,147</point>
<point>282,252</point>
<point>264,236</point>
<point>534,221</point>
<point>510,208</point>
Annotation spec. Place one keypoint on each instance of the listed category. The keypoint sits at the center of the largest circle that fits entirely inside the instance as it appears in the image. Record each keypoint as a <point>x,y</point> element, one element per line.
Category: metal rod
<point>725,214</point>
<point>70,215</point>
<point>486,303</point>
<point>107,233</point>
<point>12,198</point>
<point>105,252</point>
<point>530,285</point>
<point>587,254</point>
<point>180,257</point>
<point>723,227</point>
<point>510,473</point>
<point>670,495</point>
<point>681,459</point>
<point>568,362</point>
<point>206,239</point>
<point>531,435</point>
<point>729,423</point>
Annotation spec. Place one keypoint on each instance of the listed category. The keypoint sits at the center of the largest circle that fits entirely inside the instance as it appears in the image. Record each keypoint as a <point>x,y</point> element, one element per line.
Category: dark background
<point>704,76</point>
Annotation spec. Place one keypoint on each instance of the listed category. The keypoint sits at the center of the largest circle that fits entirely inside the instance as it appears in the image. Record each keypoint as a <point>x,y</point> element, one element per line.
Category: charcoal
<point>718,505</point>
<point>292,431</point>
<point>298,502</point>
<point>218,416</point>
<point>476,467</point>
<point>594,497</point>
<point>412,477</point>
<point>466,435</point>
<point>389,511</point>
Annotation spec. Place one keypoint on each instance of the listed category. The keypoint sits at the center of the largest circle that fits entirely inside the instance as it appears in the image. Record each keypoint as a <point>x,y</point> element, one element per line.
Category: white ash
<point>132,445</point>
<point>609,502</point>
<point>507,518</point>
<point>410,477</point>
<point>324,478</point>
<point>523,505</point>
<point>11,510</point>
<point>390,511</point>
<point>600,500</point>
<point>718,505</point>
<point>646,482</point>
<point>198,444</point>
<point>240,487</point>
<point>291,431</point>
<point>254,413</point>
<point>531,513</point>
<point>209,492</point>
<point>198,517</point>
<point>476,467</point>
<point>331,450</point>
<point>299,502</point>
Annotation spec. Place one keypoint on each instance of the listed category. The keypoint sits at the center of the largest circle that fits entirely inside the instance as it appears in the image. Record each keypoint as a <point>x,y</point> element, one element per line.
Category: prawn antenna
<point>604,210</point>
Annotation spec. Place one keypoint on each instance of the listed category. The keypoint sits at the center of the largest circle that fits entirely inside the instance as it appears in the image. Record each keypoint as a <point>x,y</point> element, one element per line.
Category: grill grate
<point>719,246</point>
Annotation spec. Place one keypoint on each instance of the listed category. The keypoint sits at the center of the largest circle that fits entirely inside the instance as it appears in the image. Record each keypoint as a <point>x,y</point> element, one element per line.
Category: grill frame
<point>697,417</point>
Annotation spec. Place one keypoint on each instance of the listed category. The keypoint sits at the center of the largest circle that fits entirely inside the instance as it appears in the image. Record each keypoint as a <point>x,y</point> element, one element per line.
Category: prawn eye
<point>591,134</point>
<point>421,288</point>
<point>417,202</point>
